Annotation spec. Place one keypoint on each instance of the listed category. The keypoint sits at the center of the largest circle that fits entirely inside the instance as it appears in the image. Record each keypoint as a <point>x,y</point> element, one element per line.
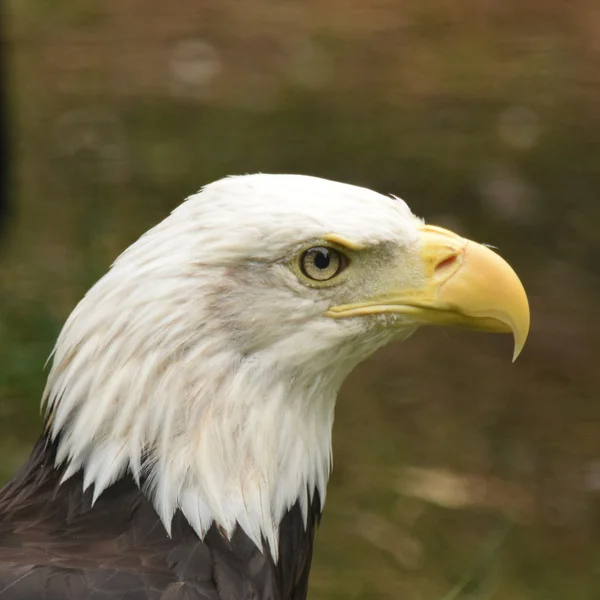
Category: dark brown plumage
<point>55,545</point>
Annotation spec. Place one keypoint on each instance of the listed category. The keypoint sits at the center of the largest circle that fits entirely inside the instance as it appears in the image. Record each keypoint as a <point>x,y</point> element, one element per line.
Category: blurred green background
<point>456,473</point>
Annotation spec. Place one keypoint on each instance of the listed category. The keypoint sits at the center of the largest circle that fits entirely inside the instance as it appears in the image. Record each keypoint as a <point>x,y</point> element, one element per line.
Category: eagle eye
<point>322,263</point>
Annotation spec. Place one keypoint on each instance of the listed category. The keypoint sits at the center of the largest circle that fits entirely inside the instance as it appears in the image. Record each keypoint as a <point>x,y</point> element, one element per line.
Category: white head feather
<point>201,362</point>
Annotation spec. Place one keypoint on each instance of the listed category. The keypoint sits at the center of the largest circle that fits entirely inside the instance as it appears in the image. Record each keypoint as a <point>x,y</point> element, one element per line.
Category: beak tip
<point>521,325</point>
<point>516,353</point>
<point>519,345</point>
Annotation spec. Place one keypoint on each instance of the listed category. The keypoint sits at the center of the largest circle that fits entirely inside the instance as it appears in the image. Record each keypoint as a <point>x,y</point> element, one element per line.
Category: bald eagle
<point>190,403</point>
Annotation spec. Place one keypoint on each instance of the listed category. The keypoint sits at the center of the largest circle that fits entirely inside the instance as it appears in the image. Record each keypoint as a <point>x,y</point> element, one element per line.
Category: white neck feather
<point>236,442</point>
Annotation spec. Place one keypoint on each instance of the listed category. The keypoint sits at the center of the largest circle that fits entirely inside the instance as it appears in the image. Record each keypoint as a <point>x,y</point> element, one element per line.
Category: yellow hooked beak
<point>465,284</point>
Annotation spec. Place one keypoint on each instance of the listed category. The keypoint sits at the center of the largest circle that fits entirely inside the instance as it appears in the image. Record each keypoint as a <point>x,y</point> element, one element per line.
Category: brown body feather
<point>55,546</point>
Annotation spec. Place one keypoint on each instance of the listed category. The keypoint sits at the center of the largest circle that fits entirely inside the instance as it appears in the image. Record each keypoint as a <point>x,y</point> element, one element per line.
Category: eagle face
<point>207,361</point>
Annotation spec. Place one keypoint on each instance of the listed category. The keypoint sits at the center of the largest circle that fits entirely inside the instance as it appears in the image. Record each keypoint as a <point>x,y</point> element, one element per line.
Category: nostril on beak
<point>447,262</point>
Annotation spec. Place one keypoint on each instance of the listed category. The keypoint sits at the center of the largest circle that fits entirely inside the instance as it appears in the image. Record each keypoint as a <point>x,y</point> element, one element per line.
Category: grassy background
<point>457,474</point>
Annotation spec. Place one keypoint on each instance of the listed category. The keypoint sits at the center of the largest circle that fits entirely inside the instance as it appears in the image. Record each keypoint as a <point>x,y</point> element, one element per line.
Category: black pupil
<point>322,258</point>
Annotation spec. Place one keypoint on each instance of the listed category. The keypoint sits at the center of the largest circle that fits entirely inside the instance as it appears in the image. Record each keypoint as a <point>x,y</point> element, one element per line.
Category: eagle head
<point>207,361</point>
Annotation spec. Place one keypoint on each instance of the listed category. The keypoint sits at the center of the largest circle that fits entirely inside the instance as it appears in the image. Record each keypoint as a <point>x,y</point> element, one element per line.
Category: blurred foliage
<point>457,474</point>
